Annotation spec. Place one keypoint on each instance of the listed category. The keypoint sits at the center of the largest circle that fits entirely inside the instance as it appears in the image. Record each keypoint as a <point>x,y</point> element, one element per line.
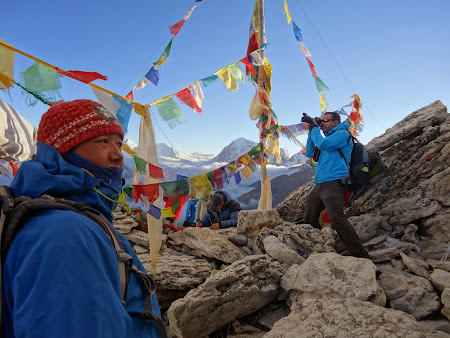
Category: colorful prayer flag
<point>237,177</point>
<point>150,191</point>
<point>297,32</point>
<point>155,172</point>
<point>85,77</point>
<point>319,84</point>
<point>175,28</point>
<point>236,71</point>
<point>170,112</point>
<point>209,80</point>
<point>313,70</point>
<point>141,164</point>
<point>154,211</point>
<point>198,94</point>
<point>6,67</point>
<point>228,79</point>
<point>165,55</point>
<point>141,83</point>
<point>128,150</point>
<point>116,106</point>
<point>186,97</point>
<point>286,11</point>
<point>153,76</point>
<point>323,103</point>
<point>304,50</point>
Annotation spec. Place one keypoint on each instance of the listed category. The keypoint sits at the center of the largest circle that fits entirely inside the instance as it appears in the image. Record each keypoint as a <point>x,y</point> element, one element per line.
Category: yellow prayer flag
<point>246,159</point>
<point>232,167</point>
<point>286,10</point>
<point>228,79</point>
<point>6,67</point>
<point>167,213</point>
<point>323,103</point>
<point>200,185</point>
<point>128,150</point>
<point>246,172</point>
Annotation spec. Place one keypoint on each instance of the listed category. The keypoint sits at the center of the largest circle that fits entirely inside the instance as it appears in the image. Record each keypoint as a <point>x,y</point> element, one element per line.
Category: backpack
<point>362,167</point>
<point>14,213</point>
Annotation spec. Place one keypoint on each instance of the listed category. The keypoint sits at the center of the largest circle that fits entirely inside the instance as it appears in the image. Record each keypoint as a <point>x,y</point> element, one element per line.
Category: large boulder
<point>208,243</point>
<point>177,275</point>
<point>348,318</point>
<point>411,294</point>
<point>329,275</point>
<point>250,222</point>
<point>240,289</point>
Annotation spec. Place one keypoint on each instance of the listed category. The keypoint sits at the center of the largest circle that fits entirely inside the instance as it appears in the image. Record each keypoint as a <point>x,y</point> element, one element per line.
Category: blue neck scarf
<point>109,176</point>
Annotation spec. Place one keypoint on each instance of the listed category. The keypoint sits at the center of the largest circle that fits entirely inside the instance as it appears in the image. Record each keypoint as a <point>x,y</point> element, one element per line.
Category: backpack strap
<point>340,151</point>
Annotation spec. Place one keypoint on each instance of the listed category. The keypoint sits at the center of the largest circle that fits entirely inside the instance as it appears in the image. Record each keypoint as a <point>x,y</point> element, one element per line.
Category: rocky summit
<point>273,276</point>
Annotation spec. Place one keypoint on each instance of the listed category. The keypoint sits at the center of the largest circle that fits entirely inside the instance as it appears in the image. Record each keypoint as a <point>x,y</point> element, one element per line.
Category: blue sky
<point>394,54</point>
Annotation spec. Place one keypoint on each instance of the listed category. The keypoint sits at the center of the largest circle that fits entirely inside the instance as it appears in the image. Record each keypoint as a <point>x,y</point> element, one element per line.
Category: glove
<point>311,126</point>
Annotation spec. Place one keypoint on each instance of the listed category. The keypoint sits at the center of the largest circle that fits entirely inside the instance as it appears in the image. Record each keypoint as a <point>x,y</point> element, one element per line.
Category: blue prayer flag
<point>123,113</point>
<point>237,177</point>
<point>297,32</point>
<point>210,79</point>
<point>153,76</point>
<point>154,211</point>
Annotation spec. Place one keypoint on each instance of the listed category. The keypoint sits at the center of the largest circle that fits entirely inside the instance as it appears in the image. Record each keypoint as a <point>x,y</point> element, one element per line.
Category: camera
<point>308,119</point>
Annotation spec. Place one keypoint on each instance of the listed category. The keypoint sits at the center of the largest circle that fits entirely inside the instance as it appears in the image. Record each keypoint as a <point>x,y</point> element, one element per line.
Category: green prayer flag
<point>170,112</point>
<point>236,71</point>
<point>40,78</point>
<point>255,150</point>
<point>174,189</point>
<point>141,165</point>
<point>319,84</point>
<point>128,191</point>
<point>165,55</point>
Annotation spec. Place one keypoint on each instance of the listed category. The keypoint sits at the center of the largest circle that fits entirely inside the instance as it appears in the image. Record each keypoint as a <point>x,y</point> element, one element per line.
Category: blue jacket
<point>61,276</point>
<point>227,217</point>
<point>190,211</point>
<point>331,166</point>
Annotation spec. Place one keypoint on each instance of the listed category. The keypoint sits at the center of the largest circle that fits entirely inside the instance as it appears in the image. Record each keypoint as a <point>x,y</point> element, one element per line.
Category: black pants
<point>330,195</point>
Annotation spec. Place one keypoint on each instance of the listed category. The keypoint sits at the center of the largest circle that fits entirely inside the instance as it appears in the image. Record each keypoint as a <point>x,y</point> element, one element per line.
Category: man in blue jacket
<point>61,274</point>
<point>222,212</point>
<point>329,191</point>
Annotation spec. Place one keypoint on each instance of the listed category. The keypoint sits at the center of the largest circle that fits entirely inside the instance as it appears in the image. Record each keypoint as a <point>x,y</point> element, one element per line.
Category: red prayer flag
<point>248,66</point>
<point>186,97</point>
<point>14,168</point>
<point>151,191</point>
<point>155,172</point>
<point>79,75</point>
<point>174,29</point>
<point>313,70</point>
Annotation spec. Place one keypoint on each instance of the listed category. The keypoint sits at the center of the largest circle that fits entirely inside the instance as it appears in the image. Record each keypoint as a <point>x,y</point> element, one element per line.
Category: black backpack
<point>14,213</point>
<point>362,167</point>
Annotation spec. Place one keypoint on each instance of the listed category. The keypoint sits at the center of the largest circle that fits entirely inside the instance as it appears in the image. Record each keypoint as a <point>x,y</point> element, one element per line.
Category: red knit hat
<point>66,125</point>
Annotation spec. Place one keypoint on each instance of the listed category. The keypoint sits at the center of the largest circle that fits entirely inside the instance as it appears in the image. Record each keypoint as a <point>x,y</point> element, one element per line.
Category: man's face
<point>327,123</point>
<point>219,207</point>
<point>103,151</point>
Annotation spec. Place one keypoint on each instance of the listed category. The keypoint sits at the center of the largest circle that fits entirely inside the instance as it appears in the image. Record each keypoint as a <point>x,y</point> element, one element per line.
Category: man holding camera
<point>331,169</point>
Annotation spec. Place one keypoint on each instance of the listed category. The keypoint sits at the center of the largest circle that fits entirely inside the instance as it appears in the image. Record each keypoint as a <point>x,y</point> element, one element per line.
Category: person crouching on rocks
<point>222,212</point>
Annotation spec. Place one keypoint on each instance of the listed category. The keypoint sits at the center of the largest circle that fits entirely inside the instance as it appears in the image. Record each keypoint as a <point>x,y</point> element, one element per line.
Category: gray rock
<point>273,313</point>
<point>386,254</point>
<point>240,289</point>
<point>445,299</point>
<point>437,324</point>
<point>369,226</point>
<point>418,267</point>
<point>441,279</point>
<point>348,318</point>
<point>238,239</point>
<point>280,251</point>
<point>329,275</point>
<point>250,222</point>
<point>208,243</point>
<point>138,237</point>
<point>410,234</point>
<point>411,294</point>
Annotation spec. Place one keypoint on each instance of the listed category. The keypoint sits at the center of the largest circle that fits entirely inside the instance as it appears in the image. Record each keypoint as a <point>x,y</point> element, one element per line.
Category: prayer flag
<point>246,172</point>
<point>246,159</point>
<point>154,211</point>
<point>14,168</point>
<point>186,97</point>
<point>40,78</point>
<point>304,50</point>
<point>150,191</point>
<point>130,96</point>
<point>248,66</point>
<point>167,213</point>
<point>210,79</point>
<point>237,177</point>
<point>236,71</point>
<point>297,32</point>
<point>319,84</point>
<point>155,172</point>
<point>256,58</point>
<point>174,29</point>
<point>228,79</point>
<point>198,94</point>
<point>128,191</point>
<point>141,84</point>
<point>165,55</point>
<point>153,76</point>
<point>323,103</point>
<point>128,150</point>
<point>170,112</point>
<point>286,10</point>
<point>188,14</point>
<point>174,189</point>
<point>313,70</point>
<point>141,165</point>
<point>85,77</point>
<point>116,106</point>
<point>6,67</point>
